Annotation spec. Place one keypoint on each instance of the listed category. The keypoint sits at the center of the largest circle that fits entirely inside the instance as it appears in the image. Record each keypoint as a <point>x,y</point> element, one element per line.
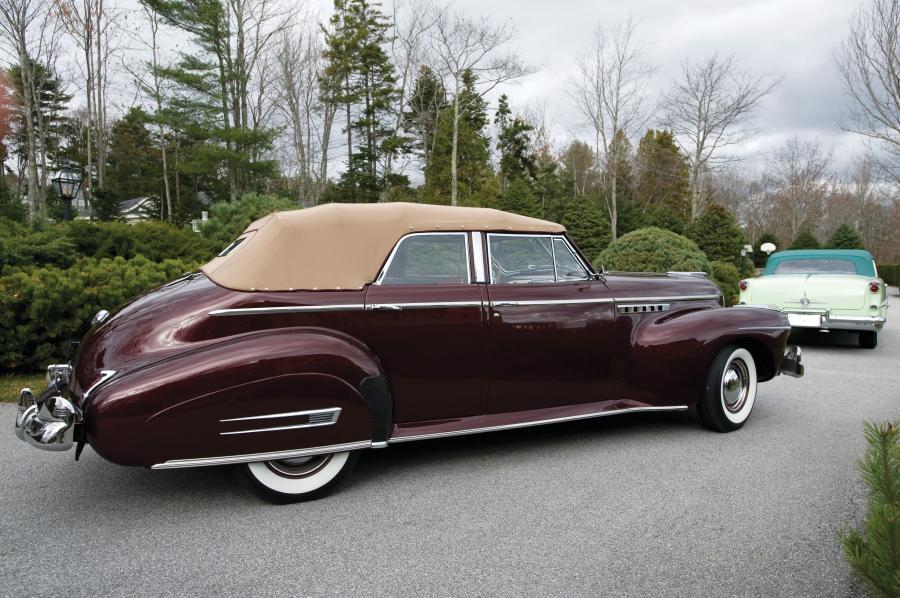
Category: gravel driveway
<point>638,505</point>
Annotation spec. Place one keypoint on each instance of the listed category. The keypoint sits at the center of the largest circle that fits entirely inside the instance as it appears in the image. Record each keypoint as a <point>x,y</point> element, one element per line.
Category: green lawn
<point>11,384</point>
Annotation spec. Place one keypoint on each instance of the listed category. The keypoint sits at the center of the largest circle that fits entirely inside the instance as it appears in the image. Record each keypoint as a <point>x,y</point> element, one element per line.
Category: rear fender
<point>210,402</point>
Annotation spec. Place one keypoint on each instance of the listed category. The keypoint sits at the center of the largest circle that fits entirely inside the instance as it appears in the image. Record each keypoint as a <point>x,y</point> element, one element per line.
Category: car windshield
<point>816,266</point>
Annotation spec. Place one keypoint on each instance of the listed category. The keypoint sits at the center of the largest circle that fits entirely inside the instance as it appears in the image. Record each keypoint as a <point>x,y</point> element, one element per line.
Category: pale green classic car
<point>823,289</point>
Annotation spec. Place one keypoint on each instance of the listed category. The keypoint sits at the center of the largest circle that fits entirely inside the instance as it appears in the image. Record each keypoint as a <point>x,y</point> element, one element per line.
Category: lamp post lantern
<point>66,183</point>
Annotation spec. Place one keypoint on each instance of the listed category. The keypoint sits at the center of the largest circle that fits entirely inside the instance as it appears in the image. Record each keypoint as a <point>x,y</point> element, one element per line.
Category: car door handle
<point>505,303</point>
<point>385,307</point>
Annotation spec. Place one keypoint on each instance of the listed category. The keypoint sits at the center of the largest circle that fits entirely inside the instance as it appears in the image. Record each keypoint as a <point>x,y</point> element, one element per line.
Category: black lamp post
<point>66,183</point>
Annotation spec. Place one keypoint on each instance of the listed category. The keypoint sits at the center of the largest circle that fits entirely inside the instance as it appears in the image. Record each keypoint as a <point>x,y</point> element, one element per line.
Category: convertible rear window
<point>431,258</point>
<point>816,266</point>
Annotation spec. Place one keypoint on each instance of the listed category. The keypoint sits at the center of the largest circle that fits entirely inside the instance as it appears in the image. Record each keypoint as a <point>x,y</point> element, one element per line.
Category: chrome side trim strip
<point>254,457</point>
<point>289,309</point>
<point>549,302</point>
<point>278,428</point>
<point>335,411</point>
<point>554,420</point>
<point>317,418</point>
<point>788,327</point>
<point>422,305</point>
<point>668,298</point>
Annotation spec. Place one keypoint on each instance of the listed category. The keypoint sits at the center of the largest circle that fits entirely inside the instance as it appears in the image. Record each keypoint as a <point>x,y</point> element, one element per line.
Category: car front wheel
<point>730,390</point>
<point>298,479</point>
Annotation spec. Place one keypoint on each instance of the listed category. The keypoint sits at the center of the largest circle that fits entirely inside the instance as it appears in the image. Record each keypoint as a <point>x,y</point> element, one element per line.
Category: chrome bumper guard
<point>791,364</point>
<point>48,421</point>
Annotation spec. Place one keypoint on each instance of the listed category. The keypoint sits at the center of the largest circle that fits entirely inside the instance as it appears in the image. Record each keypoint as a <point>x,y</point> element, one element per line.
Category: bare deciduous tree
<point>800,173</point>
<point>609,90</point>
<point>709,109</point>
<point>868,62</point>
<point>413,21</point>
<point>94,26</point>
<point>309,121</point>
<point>29,37</point>
<point>462,45</point>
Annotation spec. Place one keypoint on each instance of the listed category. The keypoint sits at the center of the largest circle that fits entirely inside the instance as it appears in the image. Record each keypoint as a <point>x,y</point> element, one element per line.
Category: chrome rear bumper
<point>48,421</point>
<point>792,363</point>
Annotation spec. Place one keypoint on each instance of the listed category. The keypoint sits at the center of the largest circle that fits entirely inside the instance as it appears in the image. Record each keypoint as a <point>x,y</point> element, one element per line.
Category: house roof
<point>343,246</point>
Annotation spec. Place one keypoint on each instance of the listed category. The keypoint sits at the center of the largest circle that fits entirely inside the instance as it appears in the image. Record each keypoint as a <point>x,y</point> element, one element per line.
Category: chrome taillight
<point>874,286</point>
<point>743,285</point>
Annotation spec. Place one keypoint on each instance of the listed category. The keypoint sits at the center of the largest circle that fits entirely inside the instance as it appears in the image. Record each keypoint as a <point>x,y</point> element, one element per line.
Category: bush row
<point>42,309</point>
<point>64,243</point>
<point>890,273</point>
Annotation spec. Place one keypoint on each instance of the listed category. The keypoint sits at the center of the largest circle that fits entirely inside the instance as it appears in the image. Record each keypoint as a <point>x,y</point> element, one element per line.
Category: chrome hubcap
<point>735,385</point>
<point>299,467</point>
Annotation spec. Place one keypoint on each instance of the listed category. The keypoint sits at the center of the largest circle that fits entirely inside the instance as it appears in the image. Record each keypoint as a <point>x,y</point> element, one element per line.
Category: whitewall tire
<point>294,480</point>
<point>730,390</point>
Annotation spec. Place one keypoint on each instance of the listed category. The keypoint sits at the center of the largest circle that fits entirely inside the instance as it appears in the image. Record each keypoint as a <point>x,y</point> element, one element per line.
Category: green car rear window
<point>816,266</point>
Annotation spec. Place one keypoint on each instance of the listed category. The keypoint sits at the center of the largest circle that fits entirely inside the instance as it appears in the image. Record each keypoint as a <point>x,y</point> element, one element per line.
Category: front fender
<point>178,408</point>
<point>666,355</point>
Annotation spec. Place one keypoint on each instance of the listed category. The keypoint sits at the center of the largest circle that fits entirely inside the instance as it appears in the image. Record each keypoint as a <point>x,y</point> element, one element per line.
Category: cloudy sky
<point>792,40</point>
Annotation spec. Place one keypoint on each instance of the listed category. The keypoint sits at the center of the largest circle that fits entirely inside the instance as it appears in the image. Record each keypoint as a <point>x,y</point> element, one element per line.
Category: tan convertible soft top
<point>343,246</point>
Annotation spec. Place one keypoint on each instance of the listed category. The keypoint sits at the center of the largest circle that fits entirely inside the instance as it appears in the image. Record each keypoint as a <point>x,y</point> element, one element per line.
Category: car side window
<point>568,267</point>
<point>519,259</point>
<point>440,258</point>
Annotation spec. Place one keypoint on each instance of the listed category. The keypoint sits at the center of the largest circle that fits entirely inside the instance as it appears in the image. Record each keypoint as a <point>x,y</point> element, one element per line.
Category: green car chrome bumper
<point>829,321</point>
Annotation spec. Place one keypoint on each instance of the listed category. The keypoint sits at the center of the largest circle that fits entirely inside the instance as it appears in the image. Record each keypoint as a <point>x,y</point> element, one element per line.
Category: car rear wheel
<point>298,479</point>
<point>868,339</point>
<point>730,390</point>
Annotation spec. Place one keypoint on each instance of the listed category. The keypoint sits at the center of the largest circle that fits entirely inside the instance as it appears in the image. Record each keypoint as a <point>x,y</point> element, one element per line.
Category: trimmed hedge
<point>43,308</point>
<point>654,250</point>
<point>727,278</point>
<point>890,273</point>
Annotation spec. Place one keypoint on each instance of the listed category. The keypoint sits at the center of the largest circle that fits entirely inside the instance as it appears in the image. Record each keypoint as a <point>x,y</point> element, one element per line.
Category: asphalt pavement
<point>636,505</point>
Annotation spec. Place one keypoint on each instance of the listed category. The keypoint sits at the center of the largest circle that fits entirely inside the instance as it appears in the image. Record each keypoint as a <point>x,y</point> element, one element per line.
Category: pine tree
<point>473,150</point>
<point>427,100</point>
<point>514,144</point>
<point>845,237</point>
<point>134,159</point>
<point>361,77</point>
<point>213,101</point>
<point>718,235</point>
<point>519,198</point>
<point>805,240</point>
<point>662,176</point>
<point>873,552</point>
<point>587,225</point>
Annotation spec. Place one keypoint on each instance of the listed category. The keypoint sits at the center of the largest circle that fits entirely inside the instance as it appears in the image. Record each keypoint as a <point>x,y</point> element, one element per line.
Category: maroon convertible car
<point>322,332</point>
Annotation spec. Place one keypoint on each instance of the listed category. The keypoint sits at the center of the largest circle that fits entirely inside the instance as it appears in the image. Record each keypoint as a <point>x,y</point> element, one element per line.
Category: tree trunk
<point>35,200</point>
<point>453,152</point>
<point>614,207</point>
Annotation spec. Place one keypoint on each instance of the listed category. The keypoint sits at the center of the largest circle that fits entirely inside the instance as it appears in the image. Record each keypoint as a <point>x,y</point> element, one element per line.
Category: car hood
<point>809,291</point>
<point>155,325</point>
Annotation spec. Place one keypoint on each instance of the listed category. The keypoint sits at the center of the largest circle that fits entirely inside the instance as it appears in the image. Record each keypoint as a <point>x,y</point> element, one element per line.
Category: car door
<point>425,320</point>
<point>550,329</point>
